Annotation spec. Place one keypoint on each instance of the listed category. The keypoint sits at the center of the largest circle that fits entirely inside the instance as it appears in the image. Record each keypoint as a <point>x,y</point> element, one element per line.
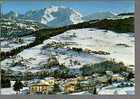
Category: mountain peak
<point>53,16</point>
<point>56,16</point>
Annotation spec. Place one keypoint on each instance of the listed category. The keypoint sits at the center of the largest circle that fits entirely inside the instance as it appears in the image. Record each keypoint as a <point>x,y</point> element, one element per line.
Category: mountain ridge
<point>50,16</point>
<point>59,16</point>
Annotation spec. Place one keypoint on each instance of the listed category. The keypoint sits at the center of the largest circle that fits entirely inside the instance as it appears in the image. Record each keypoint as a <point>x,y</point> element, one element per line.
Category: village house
<point>69,88</point>
<point>102,79</point>
<point>46,85</point>
<point>79,84</point>
<point>39,89</point>
<point>117,77</point>
<point>87,85</point>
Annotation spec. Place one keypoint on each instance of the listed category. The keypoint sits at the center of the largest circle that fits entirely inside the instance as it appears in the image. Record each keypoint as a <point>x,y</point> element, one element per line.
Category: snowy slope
<point>90,38</point>
<point>8,45</point>
<point>104,15</point>
<point>114,90</point>
<point>101,40</point>
<point>99,15</point>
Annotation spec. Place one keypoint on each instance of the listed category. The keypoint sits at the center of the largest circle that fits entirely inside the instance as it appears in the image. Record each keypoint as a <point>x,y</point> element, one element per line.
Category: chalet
<point>102,79</point>
<point>69,87</point>
<point>117,77</point>
<point>46,85</point>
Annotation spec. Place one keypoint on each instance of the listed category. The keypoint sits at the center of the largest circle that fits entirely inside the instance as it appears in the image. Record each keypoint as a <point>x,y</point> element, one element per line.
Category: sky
<point>84,6</point>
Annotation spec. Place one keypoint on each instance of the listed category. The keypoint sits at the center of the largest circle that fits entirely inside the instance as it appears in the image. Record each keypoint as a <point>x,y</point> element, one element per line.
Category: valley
<point>91,56</point>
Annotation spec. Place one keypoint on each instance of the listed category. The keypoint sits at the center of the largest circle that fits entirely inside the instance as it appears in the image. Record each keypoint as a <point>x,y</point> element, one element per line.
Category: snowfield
<point>101,40</point>
<point>120,46</point>
<point>9,44</point>
<point>113,90</point>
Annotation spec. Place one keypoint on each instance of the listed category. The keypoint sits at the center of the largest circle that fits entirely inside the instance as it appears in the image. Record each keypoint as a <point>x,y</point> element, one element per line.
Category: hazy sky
<point>84,6</point>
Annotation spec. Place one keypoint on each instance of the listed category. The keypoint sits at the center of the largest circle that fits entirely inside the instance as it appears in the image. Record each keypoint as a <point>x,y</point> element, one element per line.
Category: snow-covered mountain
<point>99,15</point>
<point>57,16</point>
<point>60,16</point>
<point>53,16</point>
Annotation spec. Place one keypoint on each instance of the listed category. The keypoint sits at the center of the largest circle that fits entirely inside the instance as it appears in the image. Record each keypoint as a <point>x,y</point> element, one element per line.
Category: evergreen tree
<point>17,86</point>
<point>56,88</point>
<point>95,91</point>
<point>5,83</point>
<point>130,76</point>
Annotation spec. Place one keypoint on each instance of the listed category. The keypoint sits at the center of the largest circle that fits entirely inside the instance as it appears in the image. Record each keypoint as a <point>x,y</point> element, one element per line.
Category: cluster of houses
<point>94,84</point>
<point>67,86</point>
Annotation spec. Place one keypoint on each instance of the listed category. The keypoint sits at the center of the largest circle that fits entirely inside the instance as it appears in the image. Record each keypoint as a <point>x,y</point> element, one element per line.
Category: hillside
<point>99,15</point>
<point>17,28</point>
<point>123,14</point>
<point>119,26</point>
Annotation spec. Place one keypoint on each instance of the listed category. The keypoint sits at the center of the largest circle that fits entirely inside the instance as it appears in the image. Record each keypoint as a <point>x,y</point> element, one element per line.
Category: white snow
<point>8,45</point>
<point>7,91</point>
<point>54,14</point>
<point>113,90</point>
<point>101,40</point>
<point>10,91</point>
<point>105,15</point>
<point>81,93</point>
<point>89,38</point>
<point>99,15</point>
